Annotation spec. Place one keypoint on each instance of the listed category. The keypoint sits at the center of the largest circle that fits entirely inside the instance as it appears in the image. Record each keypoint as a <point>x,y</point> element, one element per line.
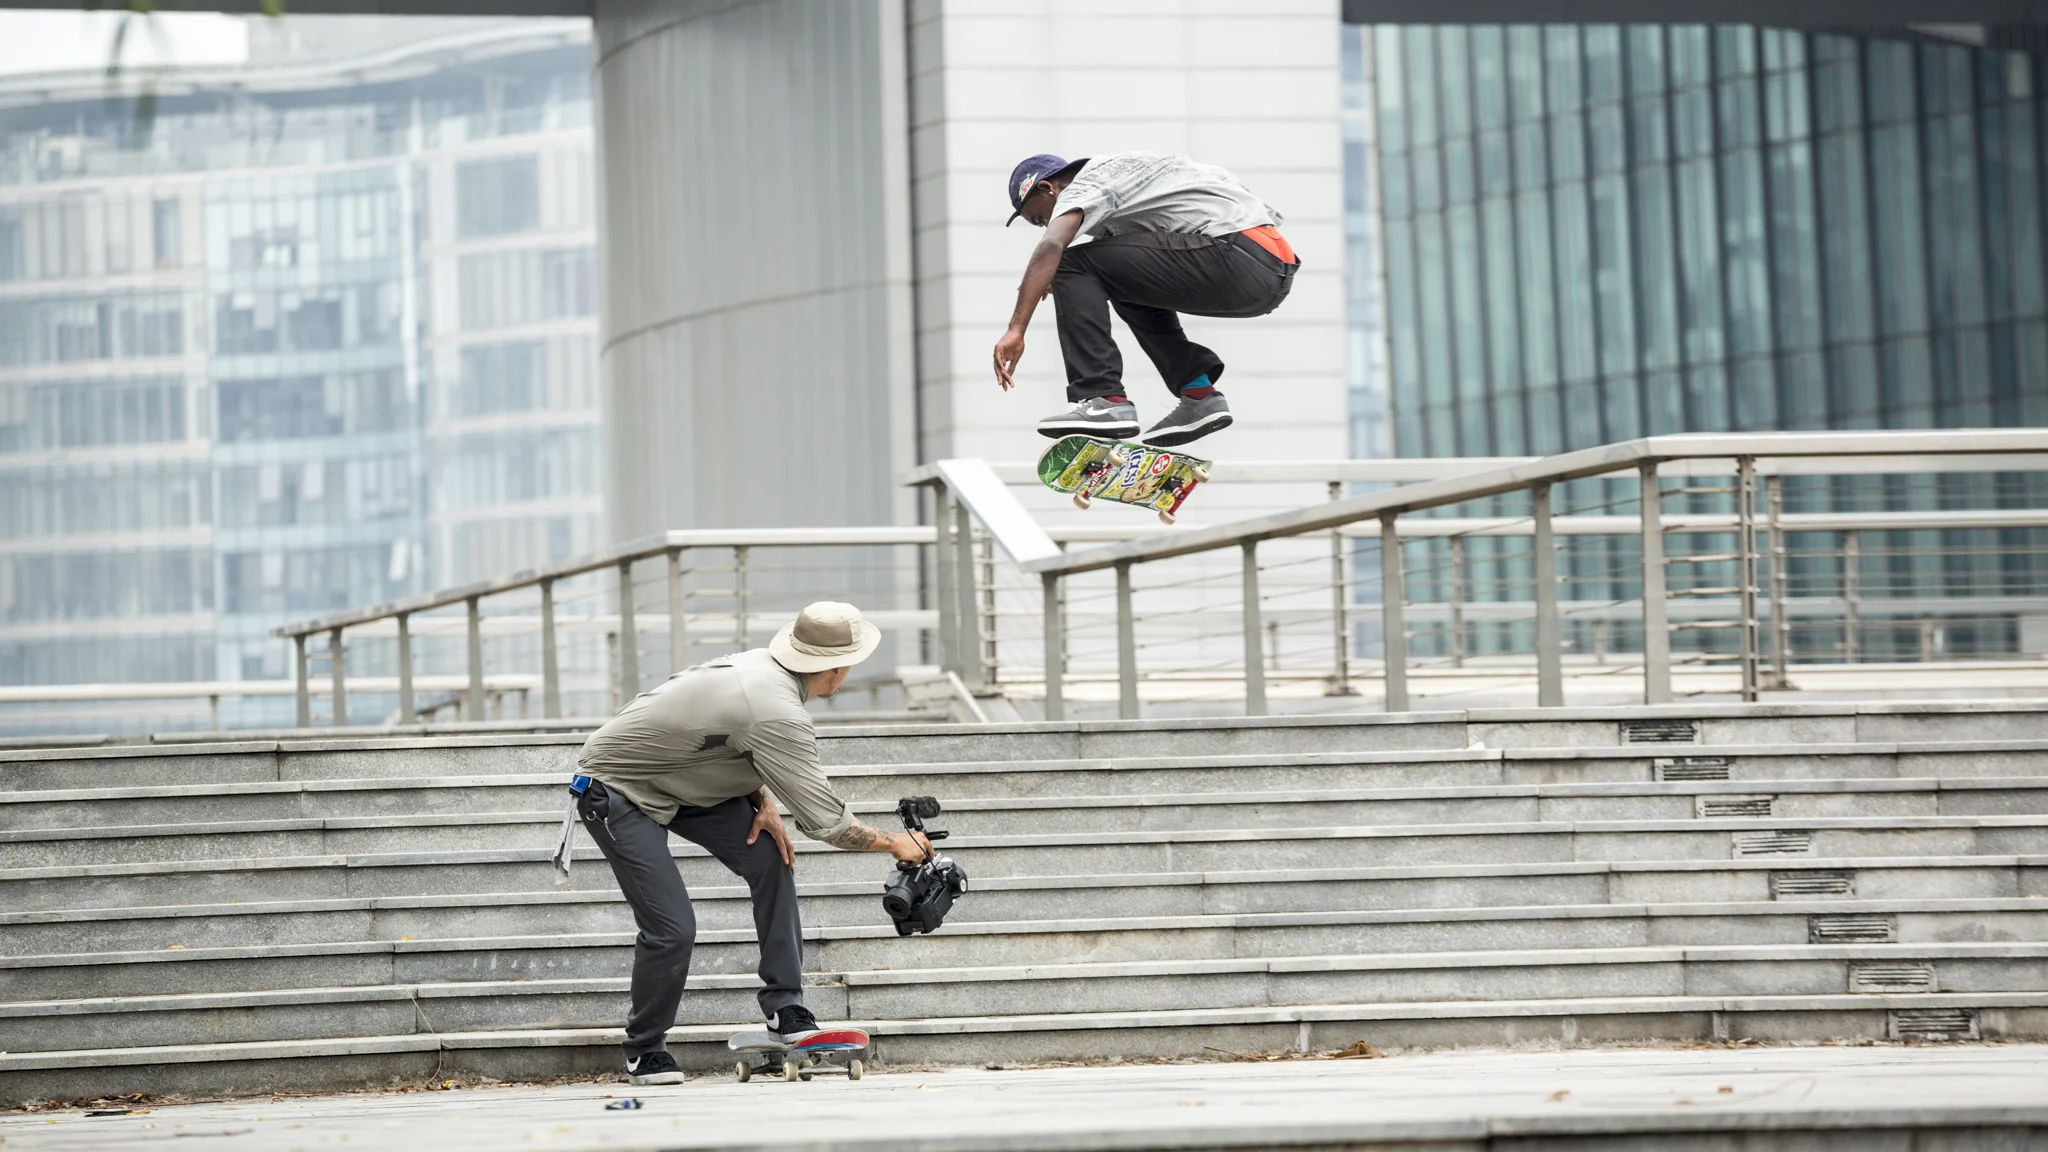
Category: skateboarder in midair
<point>707,755</point>
<point>1169,236</point>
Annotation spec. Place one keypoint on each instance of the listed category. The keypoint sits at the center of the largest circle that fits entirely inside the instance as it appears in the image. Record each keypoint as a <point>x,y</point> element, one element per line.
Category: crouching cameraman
<point>707,756</point>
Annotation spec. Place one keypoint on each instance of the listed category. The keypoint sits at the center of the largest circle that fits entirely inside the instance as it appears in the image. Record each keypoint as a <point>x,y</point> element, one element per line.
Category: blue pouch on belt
<point>578,785</point>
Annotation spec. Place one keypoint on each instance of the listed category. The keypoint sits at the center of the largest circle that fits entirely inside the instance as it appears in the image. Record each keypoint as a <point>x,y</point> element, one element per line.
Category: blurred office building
<point>311,332</point>
<point>1595,233</point>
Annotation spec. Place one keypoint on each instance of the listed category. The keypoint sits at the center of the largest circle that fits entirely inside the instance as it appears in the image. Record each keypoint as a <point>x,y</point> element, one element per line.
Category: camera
<point>918,896</point>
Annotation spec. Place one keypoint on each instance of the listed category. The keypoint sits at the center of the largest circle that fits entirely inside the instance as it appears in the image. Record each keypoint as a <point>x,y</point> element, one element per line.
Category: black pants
<point>637,849</point>
<point>1148,277</point>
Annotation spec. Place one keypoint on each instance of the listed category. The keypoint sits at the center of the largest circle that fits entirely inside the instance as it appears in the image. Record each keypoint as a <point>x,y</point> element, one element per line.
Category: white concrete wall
<point>1252,85</point>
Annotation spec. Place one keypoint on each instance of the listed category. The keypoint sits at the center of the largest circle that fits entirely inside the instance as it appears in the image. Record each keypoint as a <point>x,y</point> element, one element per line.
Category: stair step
<point>601,954</point>
<point>282,803</point>
<point>34,851</point>
<point>283,1065</point>
<point>1879,728</point>
<point>999,898</point>
<point>315,1013</point>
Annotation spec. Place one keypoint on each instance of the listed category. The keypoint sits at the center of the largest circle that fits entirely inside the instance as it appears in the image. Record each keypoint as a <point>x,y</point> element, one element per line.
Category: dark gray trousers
<point>637,849</point>
<point>1151,279</point>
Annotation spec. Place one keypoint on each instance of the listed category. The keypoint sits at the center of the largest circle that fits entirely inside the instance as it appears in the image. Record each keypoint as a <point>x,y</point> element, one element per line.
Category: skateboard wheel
<point>1166,517</point>
<point>854,1068</point>
<point>1201,473</point>
<point>1081,500</point>
<point>804,1076</point>
<point>790,1071</point>
<point>746,1071</point>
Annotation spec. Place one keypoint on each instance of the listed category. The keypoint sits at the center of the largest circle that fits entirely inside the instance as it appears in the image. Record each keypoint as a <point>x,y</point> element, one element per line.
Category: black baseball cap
<point>1029,172</point>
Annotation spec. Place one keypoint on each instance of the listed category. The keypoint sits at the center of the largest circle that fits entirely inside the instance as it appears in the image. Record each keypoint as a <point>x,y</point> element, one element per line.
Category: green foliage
<point>143,13</point>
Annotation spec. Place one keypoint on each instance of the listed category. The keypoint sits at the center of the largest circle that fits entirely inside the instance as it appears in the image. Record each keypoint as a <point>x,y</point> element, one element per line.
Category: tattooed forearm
<point>857,838</point>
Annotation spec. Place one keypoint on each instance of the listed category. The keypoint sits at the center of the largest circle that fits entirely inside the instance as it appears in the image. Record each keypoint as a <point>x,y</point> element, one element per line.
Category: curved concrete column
<point>755,245</point>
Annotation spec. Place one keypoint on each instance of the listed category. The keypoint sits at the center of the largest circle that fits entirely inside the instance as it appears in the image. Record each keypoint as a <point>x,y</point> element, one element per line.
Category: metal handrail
<point>967,490</point>
<point>1527,476</point>
<point>646,548</point>
<point>1754,456</point>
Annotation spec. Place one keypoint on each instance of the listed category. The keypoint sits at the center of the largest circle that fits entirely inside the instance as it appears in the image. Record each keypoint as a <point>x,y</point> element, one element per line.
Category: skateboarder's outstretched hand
<point>1009,350</point>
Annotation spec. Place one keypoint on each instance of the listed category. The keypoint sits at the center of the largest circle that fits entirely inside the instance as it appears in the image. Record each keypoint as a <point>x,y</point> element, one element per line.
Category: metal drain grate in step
<point>1660,731</point>
<point>1851,928</point>
<point>1892,976</point>
<point>1773,843</point>
<point>1807,885</point>
<point>1932,1025</point>
<point>1693,767</point>
<point>1730,807</point>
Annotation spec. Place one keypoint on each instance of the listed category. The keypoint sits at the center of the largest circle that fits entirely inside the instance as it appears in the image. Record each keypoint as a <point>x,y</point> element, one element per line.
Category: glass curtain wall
<point>1593,233</point>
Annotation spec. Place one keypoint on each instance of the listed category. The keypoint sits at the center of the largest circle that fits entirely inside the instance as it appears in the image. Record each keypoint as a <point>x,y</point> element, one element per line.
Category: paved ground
<point>1452,1097</point>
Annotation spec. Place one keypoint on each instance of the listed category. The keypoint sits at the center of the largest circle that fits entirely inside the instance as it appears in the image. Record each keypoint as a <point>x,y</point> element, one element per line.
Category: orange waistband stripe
<point>1269,238</point>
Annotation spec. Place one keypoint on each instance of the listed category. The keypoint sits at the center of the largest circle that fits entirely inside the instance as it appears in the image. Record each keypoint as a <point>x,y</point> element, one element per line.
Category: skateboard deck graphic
<point>1089,468</point>
<point>761,1050</point>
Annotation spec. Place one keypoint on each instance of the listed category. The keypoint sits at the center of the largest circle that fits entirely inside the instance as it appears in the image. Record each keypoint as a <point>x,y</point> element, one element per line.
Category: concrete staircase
<point>333,913</point>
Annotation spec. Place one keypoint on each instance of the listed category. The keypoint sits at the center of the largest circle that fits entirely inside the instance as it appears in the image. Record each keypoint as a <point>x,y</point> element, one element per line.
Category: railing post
<point>1393,627</point>
<point>740,553</point>
<point>1745,571</point>
<point>1055,650</point>
<point>1656,608</point>
<point>1126,647</point>
<point>678,628</point>
<point>550,659</point>
<point>473,704</point>
<point>1340,608</point>
<point>407,714</point>
<point>337,671</point>
<point>611,671</point>
<point>1781,622</point>
<point>1254,636</point>
<point>629,637</point>
<point>990,654</point>
<point>305,691</point>
<point>1549,650</point>
<point>972,668</point>
<point>943,573</point>
<point>1852,594</point>
<point>1457,601</point>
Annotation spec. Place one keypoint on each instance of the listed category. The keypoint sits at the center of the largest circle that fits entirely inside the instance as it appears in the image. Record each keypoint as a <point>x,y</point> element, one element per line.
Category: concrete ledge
<point>692,1035</point>
<point>1087,926</point>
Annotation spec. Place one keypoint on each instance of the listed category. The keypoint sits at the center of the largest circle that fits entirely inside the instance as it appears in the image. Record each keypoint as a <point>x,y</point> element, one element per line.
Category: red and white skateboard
<point>819,1053</point>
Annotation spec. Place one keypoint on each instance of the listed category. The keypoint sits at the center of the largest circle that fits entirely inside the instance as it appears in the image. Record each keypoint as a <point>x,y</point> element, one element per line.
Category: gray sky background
<point>53,41</point>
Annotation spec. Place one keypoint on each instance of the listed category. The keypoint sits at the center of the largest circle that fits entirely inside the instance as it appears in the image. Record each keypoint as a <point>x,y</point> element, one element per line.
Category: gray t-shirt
<point>713,732</point>
<point>1127,192</point>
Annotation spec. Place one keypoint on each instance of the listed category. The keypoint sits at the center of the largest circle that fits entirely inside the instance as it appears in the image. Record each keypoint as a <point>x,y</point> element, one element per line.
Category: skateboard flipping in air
<point>1089,467</point>
<point>762,1051</point>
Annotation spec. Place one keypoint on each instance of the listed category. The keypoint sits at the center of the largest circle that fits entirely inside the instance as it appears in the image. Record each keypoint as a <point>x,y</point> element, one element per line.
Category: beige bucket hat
<point>825,635</point>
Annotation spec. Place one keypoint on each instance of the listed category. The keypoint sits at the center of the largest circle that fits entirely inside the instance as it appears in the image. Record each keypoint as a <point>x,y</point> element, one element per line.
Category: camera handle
<point>912,810</point>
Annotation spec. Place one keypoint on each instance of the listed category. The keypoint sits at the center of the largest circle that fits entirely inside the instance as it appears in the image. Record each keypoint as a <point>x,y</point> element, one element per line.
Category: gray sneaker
<point>1093,417</point>
<point>1190,420</point>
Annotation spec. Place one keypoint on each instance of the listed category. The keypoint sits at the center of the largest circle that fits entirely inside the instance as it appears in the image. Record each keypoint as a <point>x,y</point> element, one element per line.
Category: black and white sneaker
<point>1190,420</point>
<point>653,1068</point>
<point>793,1023</point>
<point>1093,417</point>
